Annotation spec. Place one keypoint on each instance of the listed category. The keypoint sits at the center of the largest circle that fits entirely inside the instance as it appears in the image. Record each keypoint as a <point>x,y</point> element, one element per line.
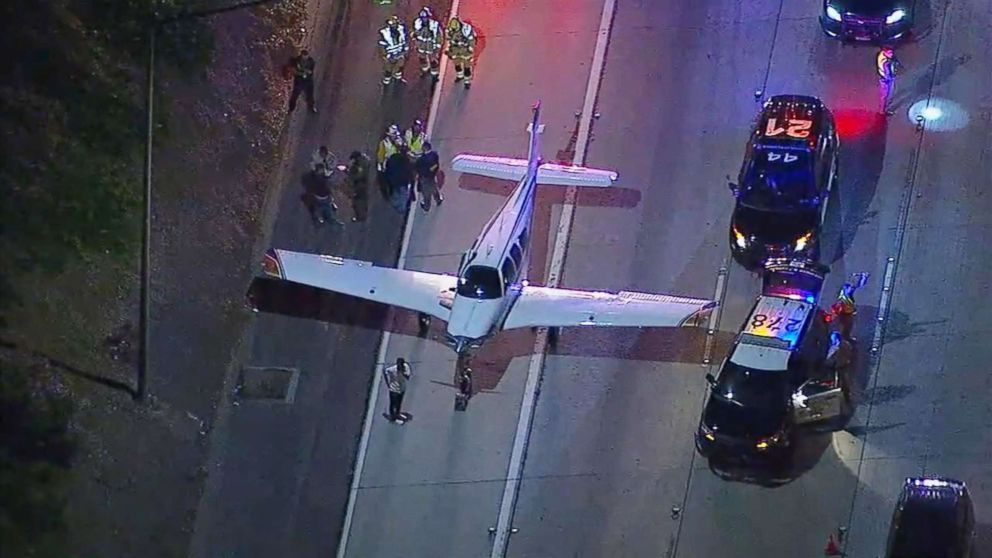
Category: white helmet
<point>393,131</point>
<point>425,13</point>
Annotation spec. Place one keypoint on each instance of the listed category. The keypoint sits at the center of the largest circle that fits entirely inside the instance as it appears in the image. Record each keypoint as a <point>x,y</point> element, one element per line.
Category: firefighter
<point>461,48</point>
<point>427,37</point>
<point>414,138</point>
<point>394,47</point>
<point>888,66</point>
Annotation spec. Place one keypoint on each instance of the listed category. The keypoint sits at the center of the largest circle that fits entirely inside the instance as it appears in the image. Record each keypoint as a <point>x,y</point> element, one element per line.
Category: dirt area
<point>138,477</point>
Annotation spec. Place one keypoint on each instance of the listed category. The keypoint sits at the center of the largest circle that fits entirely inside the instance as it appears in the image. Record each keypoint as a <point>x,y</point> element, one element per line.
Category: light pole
<point>140,387</point>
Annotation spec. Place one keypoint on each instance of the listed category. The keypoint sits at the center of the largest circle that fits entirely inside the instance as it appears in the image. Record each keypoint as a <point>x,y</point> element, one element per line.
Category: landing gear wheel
<point>424,324</point>
<point>464,390</point>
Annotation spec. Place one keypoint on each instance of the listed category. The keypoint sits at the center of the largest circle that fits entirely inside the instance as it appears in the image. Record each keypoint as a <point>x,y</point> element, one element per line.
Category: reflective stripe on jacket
<point>393,46</point>
<point>427,37</point>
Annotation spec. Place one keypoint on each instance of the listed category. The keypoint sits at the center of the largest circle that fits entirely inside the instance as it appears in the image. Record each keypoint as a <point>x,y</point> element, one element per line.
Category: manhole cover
<point>270,383</point>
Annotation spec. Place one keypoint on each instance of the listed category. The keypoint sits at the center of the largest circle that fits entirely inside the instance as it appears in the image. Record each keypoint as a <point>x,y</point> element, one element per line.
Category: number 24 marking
<point>761,320</point>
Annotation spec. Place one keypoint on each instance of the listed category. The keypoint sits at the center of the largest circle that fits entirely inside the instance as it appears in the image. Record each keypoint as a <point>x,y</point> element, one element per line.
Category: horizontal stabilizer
<point>504,168</point>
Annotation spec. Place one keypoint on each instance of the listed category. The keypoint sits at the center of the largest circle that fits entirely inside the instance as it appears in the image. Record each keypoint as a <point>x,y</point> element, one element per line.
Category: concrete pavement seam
<point>535,370</point>
<point>363,444</point>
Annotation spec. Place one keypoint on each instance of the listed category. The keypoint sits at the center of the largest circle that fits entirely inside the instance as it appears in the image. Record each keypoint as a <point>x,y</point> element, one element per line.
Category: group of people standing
<point>426,35</point>
<point>407,165</point>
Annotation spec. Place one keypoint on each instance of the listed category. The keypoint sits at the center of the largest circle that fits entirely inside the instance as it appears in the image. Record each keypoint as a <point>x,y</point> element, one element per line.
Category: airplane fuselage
<point>493,269</point>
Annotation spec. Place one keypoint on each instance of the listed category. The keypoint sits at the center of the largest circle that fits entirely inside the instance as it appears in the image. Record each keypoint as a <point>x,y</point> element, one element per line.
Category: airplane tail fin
<point>555,174</point>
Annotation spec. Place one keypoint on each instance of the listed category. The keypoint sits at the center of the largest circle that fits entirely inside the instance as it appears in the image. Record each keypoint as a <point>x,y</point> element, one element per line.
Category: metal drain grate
<point>270,384</point>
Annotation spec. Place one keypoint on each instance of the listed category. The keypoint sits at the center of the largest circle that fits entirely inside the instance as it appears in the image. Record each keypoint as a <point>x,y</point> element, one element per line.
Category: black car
<point>868,20</point>
<point>790,167</point>
<point>934,518</point>
<point>775,377</point>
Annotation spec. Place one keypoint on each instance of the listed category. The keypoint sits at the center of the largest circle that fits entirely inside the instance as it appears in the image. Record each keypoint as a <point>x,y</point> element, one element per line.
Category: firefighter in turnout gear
<point>461,48</point>
<point>414,138</point>
<point>393,47</point>
<point>427,37</point>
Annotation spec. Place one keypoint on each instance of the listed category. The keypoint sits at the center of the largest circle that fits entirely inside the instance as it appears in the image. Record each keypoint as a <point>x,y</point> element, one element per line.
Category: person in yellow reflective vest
<point>844,309</point>
<point>414,138</point>
<point>461,48</point>
<point>427,37</point>
<point>388,145</point>
<point>393,47</point>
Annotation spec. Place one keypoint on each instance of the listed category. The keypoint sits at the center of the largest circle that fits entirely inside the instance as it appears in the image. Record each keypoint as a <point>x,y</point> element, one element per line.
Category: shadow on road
<point>490,361</point>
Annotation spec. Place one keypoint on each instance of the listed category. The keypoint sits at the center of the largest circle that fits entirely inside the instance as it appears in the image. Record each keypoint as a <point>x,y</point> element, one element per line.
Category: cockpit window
<point>480,282</point>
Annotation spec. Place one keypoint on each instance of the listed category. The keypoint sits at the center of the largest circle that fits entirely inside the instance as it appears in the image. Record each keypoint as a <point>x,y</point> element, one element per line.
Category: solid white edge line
<point>373,399</point>
<point>535,370</point>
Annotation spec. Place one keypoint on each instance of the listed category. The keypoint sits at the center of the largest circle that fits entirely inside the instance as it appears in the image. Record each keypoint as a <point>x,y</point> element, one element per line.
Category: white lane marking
<point>883,305</point>
<point>534,372</point>
<point>373,399</point>
<point>721,289</point>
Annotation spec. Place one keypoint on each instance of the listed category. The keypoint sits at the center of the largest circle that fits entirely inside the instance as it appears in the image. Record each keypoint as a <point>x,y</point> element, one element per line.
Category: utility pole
<point>140,388</point>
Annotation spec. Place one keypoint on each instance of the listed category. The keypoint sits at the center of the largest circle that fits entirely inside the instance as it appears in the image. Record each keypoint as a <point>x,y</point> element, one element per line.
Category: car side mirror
<point>710,379</point>
<point>461,262</point>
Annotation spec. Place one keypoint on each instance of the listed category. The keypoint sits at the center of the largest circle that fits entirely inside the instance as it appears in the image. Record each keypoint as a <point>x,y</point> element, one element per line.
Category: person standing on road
<point>414,138</point>
<point>393,47</point>
<point>427,37</point>
<point>322,207</point>
<point>396,377</point>
<point>302,67</point>
<point>358,180</point>
<point>888,66</point>
<point>427,166</point>
<point>844,309</point>
<point>461,48</point>
<point>399,176</point>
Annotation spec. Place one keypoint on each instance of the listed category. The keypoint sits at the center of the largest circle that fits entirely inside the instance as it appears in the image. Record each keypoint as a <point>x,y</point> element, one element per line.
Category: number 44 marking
<point>788,157</point>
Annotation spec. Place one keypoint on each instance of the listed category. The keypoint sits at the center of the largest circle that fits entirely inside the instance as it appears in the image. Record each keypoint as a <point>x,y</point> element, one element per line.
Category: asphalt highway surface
<point>610,468</point>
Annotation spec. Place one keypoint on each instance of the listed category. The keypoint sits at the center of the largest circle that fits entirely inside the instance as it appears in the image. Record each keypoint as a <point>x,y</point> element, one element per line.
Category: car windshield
<point>778,179</point>
<point>773,226</point>
<point>480,282</point>
<point>748,402</point>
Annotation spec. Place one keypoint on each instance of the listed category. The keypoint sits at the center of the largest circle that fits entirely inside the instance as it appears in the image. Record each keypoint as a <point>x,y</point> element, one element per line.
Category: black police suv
<point>775,377</point>
<point>934,518</point>
<point>790,167</point>
<point>868,20</point>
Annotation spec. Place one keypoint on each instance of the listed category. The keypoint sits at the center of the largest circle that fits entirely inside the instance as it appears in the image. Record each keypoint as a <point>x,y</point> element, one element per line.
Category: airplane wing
<point>413,290</point>
<point>548,307</point>
<point>505,168</point>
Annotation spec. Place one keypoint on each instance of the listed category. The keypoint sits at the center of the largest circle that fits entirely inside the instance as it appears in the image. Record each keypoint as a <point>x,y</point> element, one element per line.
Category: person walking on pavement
<point>322,207</point>
<point>399,177</point>
<point>427,166</point>
<point>461,48</point>
<point>427,37</point>
<point>888,67</point>
<point>302,67</point>
<point>393,47</point>
<point>396,377</point>
<point>358,179</point>
<point>414,139</point>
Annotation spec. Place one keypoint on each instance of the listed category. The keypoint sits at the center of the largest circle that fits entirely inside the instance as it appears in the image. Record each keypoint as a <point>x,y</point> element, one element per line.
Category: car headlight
<point>706,432</point>
<point>896,16</point>
<point>740,239</point>
<point>833,13</point>
<point>765,443</point>
<point>802,242</point>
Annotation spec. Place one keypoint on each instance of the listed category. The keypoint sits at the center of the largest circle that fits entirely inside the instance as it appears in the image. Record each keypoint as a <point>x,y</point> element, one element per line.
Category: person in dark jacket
<point>399,175</point>
<point>322,207</point>
<point>427,166</point>
<point>303,67</point>
<point>359,166</point>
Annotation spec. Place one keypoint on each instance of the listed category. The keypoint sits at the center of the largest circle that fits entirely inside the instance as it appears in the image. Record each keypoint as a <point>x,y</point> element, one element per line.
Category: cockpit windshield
<point>480,282</point>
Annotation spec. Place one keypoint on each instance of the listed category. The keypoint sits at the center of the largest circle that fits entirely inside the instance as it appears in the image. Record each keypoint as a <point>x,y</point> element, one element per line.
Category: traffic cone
<point>831,549</point>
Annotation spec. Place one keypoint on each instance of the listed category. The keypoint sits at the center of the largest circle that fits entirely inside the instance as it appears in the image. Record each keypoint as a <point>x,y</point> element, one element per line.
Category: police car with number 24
<point>789,170</point>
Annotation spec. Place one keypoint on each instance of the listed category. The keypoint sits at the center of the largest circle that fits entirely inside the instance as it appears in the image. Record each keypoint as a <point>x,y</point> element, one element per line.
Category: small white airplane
<point>491,293</point>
